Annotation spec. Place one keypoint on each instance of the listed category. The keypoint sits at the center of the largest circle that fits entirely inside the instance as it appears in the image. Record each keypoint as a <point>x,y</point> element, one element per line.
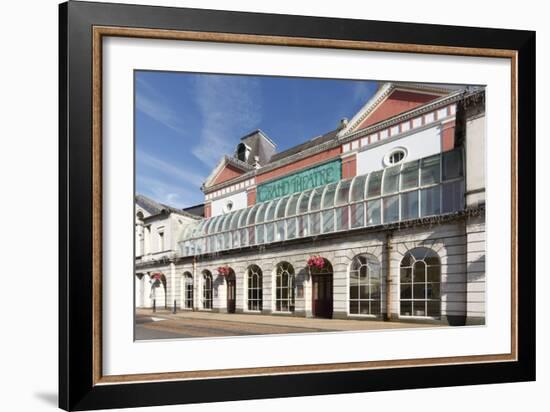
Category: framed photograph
<point>256,206</point>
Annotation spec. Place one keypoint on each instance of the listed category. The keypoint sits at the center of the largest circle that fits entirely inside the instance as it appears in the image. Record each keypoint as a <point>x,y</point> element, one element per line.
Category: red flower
<point>316,261</point>
<point>223,270</point>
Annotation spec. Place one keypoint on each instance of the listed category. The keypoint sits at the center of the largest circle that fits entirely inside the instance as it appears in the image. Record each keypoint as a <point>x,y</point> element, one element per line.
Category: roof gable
<point>390,100</point>
<point>227,168</point>
<point>228,172</point>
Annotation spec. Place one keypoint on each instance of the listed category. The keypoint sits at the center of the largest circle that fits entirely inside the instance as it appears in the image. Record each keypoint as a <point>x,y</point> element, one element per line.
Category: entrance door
<point>322,296</point>
<point>231,292</point>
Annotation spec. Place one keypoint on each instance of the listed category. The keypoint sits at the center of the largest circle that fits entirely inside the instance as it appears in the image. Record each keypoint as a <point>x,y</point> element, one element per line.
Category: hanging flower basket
<point>156,279</point>
<point>224,270</point>
<point>316,262</point>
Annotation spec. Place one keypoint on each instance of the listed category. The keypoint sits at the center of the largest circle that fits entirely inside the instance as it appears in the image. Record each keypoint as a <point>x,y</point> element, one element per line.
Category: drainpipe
<point>388,248</point>
<point>195,285</point>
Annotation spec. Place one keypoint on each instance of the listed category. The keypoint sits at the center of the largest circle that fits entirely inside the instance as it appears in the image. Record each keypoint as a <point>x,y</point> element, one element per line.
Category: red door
<point>231,292</point>
<point>322,296</point>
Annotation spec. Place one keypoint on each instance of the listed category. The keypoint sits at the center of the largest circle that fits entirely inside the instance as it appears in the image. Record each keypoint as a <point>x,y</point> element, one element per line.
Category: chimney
<point>343,123</point>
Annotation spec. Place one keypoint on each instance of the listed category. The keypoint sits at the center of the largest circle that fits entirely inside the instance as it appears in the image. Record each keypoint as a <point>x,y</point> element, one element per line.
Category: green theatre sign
<point>300,181</point>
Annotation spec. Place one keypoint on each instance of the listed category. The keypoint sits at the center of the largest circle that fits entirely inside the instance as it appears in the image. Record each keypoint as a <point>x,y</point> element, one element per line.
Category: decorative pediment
<point>227,169</point>
<point>390,100</point>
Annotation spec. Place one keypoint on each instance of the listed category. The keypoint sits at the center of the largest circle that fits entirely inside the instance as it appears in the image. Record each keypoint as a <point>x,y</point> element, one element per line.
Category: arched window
<point>284,288</point>
<point>254,277</point>
<point>188,290</point>
<point>420,279</point>
<point>206,289</point>
<point>364,286</point>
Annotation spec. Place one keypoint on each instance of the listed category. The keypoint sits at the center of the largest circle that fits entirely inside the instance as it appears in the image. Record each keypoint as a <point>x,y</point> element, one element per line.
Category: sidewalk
<point>284,321</point>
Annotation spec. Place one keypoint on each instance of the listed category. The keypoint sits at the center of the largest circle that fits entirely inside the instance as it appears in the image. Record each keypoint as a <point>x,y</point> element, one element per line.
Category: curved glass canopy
<point>420,188</point>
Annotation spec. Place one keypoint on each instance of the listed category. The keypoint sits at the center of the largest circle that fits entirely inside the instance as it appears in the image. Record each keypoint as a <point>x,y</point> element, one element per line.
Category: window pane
<point>419,308</point>
<point>314,223</point>
<point>292,204</point>
<point>280,230</point>
<point>357,211</point>
<point>418,291</point>
<point>409,175</point>
<point>343,193</point>
<point>354,307</point>
<point>409,205</point>
<point>452,164</point>
<point>391,180</point>
<point>452,196</point>
<point>259,234</point>
<point>391,209</point>
<point>429,173</point>
<point>281,207</point>
<point>244,237</point>
<point>429,200</point>
<point>434,308</point>
<point>260,213</point>
<point>269,228</point>
<point>434,273</point>
<point>328,221</point>
<point>342,218</point>
<point>328,199</point>
<point>373,212</point>
<point>419,269</point>
<point>406,275</point>
<point>236,239</point>
<point>433,291</point>
<point>291,228</point>
<point>316,200</point>
<point>304,202</point>
<point>374,183</point>
<point>303,226</point>
<point>358,188</point>
<point>406,308</point>
<point>270,211</point>
<point>406,291</point>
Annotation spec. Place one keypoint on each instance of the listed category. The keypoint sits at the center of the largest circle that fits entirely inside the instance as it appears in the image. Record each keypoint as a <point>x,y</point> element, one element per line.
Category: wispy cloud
<point>172,171</point>
<point>169,194</point>
<point>230,107</point>
<point>154,104</point>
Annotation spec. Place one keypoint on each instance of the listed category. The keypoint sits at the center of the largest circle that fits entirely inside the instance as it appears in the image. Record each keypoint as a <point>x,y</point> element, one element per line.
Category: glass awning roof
<point>424,187</point>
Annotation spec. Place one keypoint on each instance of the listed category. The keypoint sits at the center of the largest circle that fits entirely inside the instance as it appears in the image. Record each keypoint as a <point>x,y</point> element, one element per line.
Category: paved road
<point>164,325</point>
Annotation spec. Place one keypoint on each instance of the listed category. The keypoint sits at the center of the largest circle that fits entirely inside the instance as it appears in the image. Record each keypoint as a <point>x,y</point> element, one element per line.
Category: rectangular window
<point>429,171</point>
<point>236,240</point>
<point>328,221</point>
<point>409,175</point>
<point>452,164</point>
<point>259,234</point>
<point>161,241</point>
<point>452,196</point>
<point>302,226</point>
<point>269,235</point>
<point>373,212</point>
<point>342,218</point>
<point>390,183</point>
<point>374,184</point>
<point>357,214</point>
<point>314,223</point>
<point>280,230</point>
<point>391,209</point>
<point>251,235</point>
<point>429,201</point>
<point>291,228</point>
<point>409,205</point>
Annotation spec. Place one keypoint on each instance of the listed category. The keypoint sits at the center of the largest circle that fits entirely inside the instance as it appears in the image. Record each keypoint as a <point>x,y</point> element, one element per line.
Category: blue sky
<point>186,122</point>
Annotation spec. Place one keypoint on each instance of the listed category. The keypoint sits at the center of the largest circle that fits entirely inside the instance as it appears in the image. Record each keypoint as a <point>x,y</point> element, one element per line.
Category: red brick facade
<point>448,136</point>
<point>349,167</point>
<point>397,102</point>
<point>251,197</point>
<point>227,173</point>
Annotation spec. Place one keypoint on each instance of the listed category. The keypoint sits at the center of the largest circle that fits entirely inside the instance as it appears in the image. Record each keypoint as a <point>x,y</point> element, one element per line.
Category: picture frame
<point>83,26</point>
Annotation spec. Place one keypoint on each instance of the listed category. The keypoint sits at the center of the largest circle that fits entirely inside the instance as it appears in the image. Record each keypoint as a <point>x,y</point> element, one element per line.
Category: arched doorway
<point>231,291</point>
<point>158,290</point>
<point>321,282</point>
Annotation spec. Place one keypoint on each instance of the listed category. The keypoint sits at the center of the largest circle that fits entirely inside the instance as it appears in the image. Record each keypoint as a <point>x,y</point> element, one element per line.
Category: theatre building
<point>381,218</point>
